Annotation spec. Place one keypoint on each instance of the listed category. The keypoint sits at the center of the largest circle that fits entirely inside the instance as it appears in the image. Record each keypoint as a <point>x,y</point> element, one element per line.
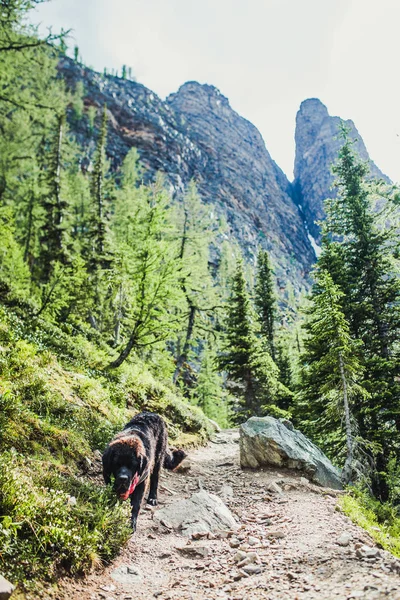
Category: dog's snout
<point>123,478</point>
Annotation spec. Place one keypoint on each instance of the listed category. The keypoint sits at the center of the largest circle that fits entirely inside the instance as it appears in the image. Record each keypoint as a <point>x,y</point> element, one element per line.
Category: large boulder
<point>265,441</point>
<point>6,588</point>
<point>201,513</point>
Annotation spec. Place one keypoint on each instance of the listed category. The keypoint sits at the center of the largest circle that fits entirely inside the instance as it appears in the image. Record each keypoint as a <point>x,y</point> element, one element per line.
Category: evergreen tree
<point>52,234</point>
<point>360,260</point>
<point>149,268</point>
<point>265,299</point>
<point>251,372</point>
<point>98,249</point>
<point>209,392</point>
<point>331,373</point>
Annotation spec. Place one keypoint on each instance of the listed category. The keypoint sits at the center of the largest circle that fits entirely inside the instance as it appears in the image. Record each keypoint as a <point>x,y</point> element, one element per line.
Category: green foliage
<point>43,530</point>
<point>252,374</point>
<point>209,392</point>
<point>265,300</point>
<point>380,520</point>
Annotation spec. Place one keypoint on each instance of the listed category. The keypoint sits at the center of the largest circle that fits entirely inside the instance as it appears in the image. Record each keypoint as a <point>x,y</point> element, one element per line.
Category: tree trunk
<point>126,351</point>
<point>348,465</point>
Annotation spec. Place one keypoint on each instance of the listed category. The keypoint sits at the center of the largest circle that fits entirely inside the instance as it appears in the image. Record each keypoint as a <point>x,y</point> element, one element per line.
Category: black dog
<point>135,456</point>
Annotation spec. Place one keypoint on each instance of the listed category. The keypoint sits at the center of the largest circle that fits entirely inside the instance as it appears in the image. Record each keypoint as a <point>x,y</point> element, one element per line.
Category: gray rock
<point>367,552</point>
<point>344,539</point>
<point>252,569</point>
<point>202,512</point>
<point>226,492</point>
<point>6,588</point>
<point>265,441</point>
<point>128,575</point>
<point>317,147</point>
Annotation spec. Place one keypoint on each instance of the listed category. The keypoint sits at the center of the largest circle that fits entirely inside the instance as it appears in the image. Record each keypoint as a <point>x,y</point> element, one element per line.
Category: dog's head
<point>125,459</point>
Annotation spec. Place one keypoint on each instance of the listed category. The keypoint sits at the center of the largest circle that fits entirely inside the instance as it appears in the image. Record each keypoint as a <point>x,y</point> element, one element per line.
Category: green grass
<point>58,405</point>
<point>379,520</point>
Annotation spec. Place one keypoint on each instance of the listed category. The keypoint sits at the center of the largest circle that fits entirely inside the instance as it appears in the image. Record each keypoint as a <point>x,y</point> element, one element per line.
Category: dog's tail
<point>173,459</point>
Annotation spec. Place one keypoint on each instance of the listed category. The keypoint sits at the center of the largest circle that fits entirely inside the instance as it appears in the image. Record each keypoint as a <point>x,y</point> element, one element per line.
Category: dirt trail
<point>295,535</point>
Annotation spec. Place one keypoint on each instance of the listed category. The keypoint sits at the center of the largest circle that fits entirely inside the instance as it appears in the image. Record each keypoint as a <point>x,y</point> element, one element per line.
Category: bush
<point>43,531</point>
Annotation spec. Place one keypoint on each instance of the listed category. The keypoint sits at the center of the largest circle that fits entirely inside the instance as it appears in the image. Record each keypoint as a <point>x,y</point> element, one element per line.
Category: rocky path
<point>291,543</point>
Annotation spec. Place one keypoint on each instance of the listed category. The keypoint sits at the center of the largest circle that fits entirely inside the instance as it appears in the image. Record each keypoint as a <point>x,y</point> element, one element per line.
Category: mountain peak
<point>317,148</point>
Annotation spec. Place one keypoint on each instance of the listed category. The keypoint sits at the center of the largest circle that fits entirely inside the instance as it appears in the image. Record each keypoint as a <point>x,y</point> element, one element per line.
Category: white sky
<point>266,56</point>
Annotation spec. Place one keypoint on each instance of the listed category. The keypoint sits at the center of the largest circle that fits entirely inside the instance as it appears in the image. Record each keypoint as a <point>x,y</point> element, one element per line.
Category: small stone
<point>133,570</point>
<point>234,543</point>
<point>367,552</point>
<point>6,588</point>
<point>194,551</point>
<point>252,569</point>
<point>344,539</point>
<point>253,541</point>
<point>275,533</point>
<point>239,556</point>
<point>274,488</point>
<point>108,588</point>
<point>226,492</point>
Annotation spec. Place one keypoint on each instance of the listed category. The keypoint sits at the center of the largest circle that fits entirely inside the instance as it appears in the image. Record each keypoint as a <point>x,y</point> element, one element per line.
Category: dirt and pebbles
<point>291,543</point>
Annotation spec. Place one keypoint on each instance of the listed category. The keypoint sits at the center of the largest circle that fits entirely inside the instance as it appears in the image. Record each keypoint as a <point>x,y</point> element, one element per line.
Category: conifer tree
<point>98,249</point>
<point>236,358</point>
<point>209,392</point>
<point>361,263</point>
<point>149,267</point>
<point>53,243</point>
<point>331,372</point>
<point>265,299</point>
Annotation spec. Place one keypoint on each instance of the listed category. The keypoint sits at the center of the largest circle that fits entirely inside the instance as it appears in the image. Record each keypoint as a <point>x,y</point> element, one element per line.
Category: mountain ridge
<point>196,134</point>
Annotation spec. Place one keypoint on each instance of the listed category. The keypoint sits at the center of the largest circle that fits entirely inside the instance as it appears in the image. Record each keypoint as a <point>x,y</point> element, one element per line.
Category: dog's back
<point>150,428</point>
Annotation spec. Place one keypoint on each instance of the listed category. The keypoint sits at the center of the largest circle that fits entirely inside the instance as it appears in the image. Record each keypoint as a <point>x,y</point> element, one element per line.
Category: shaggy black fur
<point>134,457</point>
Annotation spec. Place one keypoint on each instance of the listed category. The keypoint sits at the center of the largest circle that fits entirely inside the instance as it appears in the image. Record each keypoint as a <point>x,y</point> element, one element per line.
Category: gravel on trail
<point>291,544</point>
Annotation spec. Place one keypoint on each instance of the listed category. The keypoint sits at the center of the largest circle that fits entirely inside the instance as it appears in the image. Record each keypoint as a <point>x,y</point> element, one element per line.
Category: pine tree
<point>98,251</point>
<point>361,262</point>
<point>209,392</point>
<point>53,243</point>
<point>240,339</point>
<point>265,299</point>
<point>331,372</point>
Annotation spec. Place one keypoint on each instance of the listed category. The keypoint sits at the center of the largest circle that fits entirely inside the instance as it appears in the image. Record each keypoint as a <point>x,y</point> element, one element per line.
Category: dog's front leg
<point>136,500</point>
<point>152,499</point>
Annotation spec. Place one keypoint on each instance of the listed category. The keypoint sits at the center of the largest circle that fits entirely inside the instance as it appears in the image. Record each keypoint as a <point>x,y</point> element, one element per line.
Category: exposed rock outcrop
<point>265,441</point>
<point>241,177</point>
<point>196,134</point>
<point>317,147</point>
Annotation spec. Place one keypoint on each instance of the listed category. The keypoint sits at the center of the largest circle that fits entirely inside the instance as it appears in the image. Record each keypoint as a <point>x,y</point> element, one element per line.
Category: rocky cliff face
<point>196,134</point>
<point>317,147</point>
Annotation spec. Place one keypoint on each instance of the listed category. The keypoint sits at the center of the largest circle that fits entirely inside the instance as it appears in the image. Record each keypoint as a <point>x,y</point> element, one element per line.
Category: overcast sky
<point>266,56</point>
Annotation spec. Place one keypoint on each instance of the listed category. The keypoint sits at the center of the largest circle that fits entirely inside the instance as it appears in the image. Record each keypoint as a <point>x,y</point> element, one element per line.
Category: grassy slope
<point>56,407</point>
